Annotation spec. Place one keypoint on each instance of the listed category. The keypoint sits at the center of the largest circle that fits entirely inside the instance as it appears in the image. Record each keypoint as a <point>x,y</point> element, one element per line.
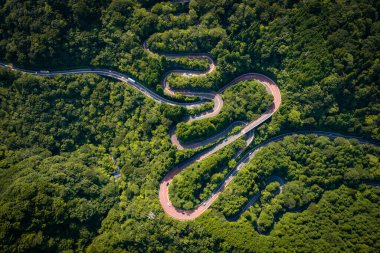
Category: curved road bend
<point>268,83</point>
<point>179,214</point>
<point>270,86</point>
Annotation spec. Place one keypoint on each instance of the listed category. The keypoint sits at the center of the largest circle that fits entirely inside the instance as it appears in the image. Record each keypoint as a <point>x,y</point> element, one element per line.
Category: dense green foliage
<point>345,220</point>
<point>197,39</point>
<point>311,165</point>
<point>188,63</point>
<point>57,192</point>
<point>197,181</point>
<point>68,111</point>
<point>53,203</point>
<point>244,101</point>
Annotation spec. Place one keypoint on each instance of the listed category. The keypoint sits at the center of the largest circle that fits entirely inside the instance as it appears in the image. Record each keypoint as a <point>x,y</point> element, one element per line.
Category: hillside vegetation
<point>58,190</point>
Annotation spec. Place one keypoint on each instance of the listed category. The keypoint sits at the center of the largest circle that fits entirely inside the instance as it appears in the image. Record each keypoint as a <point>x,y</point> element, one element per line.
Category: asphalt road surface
<point>270,86</point>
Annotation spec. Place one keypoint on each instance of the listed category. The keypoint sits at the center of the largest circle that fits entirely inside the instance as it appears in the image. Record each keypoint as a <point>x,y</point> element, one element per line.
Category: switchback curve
<point>268,83</point>
<point>218,103</point>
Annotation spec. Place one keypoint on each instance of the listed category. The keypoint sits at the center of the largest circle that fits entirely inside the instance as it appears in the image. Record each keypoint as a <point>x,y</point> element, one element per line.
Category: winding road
<point>248,128</point>
<point>268,83</point>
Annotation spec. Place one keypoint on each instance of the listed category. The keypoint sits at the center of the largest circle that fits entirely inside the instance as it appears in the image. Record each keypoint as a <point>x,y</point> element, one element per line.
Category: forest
<point>64,138</point>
